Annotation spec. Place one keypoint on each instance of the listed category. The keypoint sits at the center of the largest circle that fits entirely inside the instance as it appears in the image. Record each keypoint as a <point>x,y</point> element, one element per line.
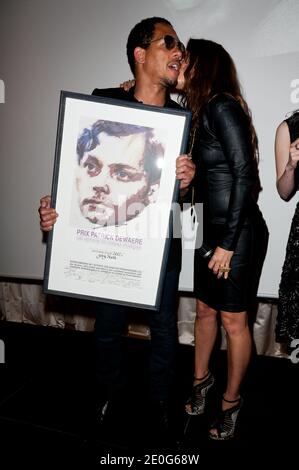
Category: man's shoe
<point>160,416</point>
<point>162,428</point>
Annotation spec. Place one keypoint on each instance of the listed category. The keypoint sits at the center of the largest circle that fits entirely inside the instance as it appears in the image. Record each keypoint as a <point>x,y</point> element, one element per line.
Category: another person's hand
<point>220,262</point>
<point>293,155</point>
<point>185,170</point>
<point>47,214</point>
<point>127,85</point>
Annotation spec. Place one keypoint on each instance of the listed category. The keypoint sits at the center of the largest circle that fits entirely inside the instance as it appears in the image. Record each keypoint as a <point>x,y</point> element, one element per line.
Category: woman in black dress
<point>287,171</point>
<point>225,153</point>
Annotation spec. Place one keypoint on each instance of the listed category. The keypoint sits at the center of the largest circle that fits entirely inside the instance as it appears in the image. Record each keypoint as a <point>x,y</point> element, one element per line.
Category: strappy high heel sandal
<point>225,424</point>
<point>195,405</point>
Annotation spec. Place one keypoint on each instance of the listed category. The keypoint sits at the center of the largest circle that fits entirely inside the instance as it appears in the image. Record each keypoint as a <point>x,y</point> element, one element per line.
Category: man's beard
<point>168,83</point>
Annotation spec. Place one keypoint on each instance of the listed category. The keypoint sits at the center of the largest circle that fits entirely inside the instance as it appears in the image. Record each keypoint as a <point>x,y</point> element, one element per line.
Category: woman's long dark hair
<point>211,71</point>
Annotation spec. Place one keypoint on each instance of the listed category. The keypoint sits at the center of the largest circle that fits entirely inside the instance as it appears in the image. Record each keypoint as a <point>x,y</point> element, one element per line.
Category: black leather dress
<point>287,323</point>
<point>225,183</point>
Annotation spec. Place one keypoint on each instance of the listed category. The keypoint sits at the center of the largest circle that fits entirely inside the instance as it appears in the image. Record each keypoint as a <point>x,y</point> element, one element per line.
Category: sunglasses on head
<point>170,43</point>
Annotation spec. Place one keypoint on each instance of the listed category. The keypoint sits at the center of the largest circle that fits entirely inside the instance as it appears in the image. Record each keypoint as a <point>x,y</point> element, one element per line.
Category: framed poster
<point>114,188</point>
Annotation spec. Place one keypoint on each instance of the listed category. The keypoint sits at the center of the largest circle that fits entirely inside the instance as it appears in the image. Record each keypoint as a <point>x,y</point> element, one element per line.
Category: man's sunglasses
<point>170,43</point>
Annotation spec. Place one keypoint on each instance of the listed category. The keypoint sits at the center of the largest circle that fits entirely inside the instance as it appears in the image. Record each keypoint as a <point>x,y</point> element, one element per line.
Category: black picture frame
<point>93,252</point>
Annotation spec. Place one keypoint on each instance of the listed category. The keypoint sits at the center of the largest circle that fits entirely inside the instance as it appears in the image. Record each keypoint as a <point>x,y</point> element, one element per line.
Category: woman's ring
<point>224,269</point>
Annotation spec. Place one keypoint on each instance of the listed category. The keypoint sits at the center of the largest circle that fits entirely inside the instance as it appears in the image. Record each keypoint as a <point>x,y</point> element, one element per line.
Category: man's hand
<point>185,170</point>
<point>47,214</point>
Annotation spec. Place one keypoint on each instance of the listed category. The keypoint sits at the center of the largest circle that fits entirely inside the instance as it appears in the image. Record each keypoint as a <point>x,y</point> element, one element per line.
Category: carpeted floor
<point>47,407</point>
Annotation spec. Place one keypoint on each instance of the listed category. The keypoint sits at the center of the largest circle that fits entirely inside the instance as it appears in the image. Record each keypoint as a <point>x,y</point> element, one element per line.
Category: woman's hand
<point>293,155</point>
<point>220,262</point>
<point>127,85</point>
<point>286,157</point>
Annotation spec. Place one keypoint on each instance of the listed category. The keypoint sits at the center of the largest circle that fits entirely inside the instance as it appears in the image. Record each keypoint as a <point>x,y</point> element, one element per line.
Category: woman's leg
<point>238,355</point>
<point>205,332</point>
<point>238,352</point>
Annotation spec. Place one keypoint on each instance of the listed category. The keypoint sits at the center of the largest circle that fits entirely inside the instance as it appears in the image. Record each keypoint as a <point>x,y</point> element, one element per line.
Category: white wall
<point>77,45</point>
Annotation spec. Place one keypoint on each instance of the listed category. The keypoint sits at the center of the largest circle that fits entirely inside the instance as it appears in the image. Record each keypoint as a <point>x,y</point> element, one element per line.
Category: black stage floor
<point>47,407</point>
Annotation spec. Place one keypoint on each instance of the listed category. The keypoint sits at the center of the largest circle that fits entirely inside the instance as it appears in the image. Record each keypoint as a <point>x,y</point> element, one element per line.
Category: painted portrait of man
<point>119,170</point>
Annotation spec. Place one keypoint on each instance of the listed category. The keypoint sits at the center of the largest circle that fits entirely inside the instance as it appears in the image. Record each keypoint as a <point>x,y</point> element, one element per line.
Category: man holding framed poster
<point>154,53</point>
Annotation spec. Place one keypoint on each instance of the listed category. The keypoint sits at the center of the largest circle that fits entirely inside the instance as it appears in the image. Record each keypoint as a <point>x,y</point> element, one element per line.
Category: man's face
<point>111,180</point>
<point>161,65</point>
